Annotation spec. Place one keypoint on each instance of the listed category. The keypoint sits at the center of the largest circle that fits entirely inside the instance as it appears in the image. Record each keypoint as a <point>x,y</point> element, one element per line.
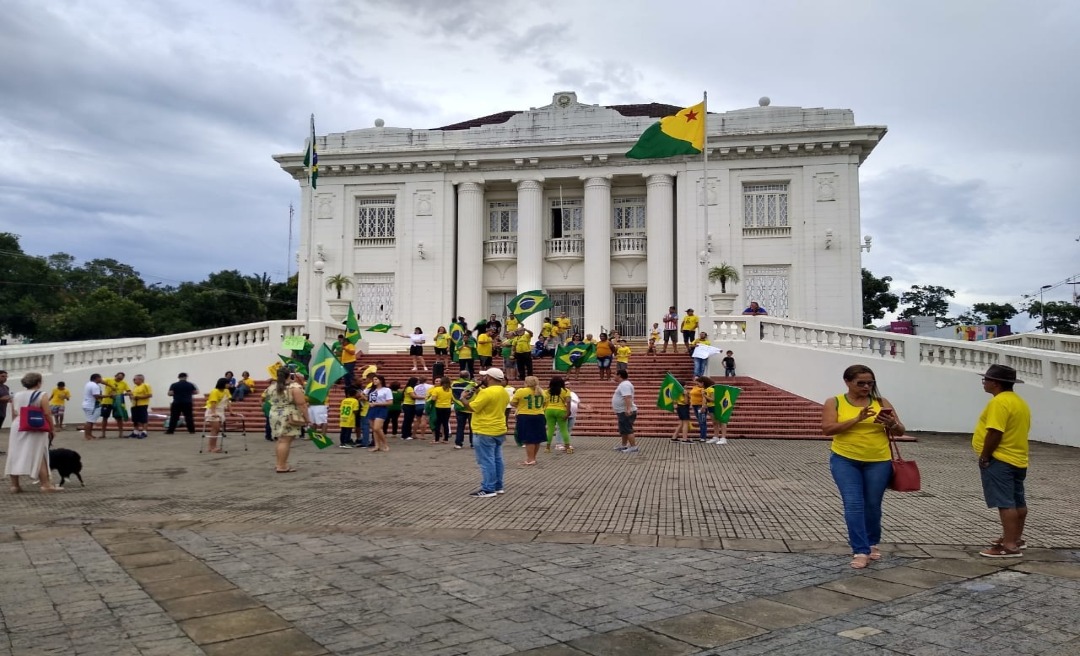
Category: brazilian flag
<point>724,397</point>
<point>466,340</point>
<point>321,440</point>
<point>352,329</point>
<point>378,328</point>
<point>457,332</point>
<point>571,356</point>
<point>670,391</point>
<point>295,365</point>
<point>120,410</point>
<point>325,371</point>
<point>527,304</point>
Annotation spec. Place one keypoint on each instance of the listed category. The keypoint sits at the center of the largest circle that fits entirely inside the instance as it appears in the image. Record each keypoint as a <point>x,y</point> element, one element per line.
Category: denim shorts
<point>1003,485</point>
<point>604,362</point>
<point>378,412</point>
<point>682,412</point>
<point>626,423</point>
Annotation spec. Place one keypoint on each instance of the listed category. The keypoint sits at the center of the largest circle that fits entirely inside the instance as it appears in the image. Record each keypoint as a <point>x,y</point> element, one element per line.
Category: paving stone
<point>768,614</point>
<point>139,546</point>
<point>962,568</point>
<point>755,544</point>
<point>705,629</point>
<point>913,576</point>
<point>631,539</point>
<point>566,537</point>
<point>1050,555</point>
<point>870,588</point>
<point>232,625</point>
<point>1056,569</point>
<point>632,642</point>
<point>821,600</point>
<point>289,642</point>
<point>817,547</point>
<point>50,533</point>
<point>152,558</point>
<point>553,650</point>
<point>448,534</point>
<point>195,585</point>
<point>213,603</point>
<point>176,570</point>
<point>507,535</point>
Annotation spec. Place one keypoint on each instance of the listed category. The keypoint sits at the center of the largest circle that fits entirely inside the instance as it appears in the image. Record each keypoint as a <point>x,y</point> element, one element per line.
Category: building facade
<point>434,223</point>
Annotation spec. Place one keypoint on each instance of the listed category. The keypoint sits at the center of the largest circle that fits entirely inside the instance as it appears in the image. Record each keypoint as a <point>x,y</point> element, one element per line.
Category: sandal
<point>1000,552</point>
<point>285,471</point>
<point>860,561</point>
<point>528,463</point>
<point>875,553</point>
<point>1000,542</point>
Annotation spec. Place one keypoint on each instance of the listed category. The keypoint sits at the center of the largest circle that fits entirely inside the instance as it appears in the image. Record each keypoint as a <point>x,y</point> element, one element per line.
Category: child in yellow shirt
<point>622,356</point>
<point>347,412</point>
<point>59,396</point>
<point>654,337</point>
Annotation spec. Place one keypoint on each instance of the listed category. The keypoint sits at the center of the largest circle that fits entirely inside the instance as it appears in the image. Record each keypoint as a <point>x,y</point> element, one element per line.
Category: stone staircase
<point>761,412</point>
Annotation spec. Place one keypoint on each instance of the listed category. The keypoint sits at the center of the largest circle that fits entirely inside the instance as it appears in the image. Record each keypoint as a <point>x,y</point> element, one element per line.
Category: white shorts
<point>92,414</point>
<point>317,414</point>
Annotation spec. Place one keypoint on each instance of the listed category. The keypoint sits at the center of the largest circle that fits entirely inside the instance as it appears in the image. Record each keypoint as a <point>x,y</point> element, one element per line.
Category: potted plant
<point>339,307</point>
<point>340,281</point>
<point>723,303</point>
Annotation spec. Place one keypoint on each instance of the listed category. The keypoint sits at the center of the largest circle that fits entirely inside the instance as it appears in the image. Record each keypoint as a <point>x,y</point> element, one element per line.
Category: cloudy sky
<point>142,131</point>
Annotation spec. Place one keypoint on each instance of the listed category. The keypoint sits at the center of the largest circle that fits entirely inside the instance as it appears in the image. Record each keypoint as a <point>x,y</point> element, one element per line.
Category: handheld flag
<point>681,134</point>
<point>294,364</point>
<point>724,397</point>
<point>120,410</point>
<point>527,304</point>
<point>670,391</point>
<point>325,371</point>
<point>311,157</point>
<point>321,440</point>
<point>457,331</point>
<point>352,329</point>
<point>273,369</point>
<point>378,328</point>
<point>571,356</point>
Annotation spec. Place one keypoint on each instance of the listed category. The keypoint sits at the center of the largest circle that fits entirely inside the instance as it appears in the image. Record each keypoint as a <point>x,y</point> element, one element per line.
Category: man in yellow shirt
<point>523,353</point>
<point>113,404</point>
<point>564,324</point>
<point>140,409</point>
<point>512,324</point>
<point>348,359</point>
<point>489,430</point>
<point>1001,441</point>
<point>59,396</point>
<point>689,328</point>
<point>483,347</point>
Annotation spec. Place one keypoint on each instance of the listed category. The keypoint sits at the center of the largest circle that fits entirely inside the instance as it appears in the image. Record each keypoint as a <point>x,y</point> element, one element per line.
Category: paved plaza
<point>681,549</point>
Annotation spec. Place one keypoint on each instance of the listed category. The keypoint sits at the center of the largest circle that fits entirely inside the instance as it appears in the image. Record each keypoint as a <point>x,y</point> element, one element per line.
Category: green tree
<point>928,301</point>
<point>28,289</point>
<point>877,299</point>
<point>997,314</point>
<point>103,314</point>
<point>1057,316</point>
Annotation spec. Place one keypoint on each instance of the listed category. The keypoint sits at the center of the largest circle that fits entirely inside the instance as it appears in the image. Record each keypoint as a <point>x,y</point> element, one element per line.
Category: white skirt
<point>26,451</point>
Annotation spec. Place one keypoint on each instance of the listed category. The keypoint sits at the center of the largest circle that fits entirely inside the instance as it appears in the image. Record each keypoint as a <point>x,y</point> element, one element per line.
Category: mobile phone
<point>886,411</point>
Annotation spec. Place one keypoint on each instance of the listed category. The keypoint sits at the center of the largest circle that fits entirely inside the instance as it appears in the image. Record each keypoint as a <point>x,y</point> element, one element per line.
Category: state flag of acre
<point>670,391</point>
<point>325,371</point>
<point>681,134</point>
<point>724,397</point>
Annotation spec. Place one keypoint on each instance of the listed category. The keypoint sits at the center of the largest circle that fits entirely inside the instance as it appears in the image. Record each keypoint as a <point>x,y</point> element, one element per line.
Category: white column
<point>660,230</point>
<point>470,251</point>
<point>530,243</point>
<point>597,233</point>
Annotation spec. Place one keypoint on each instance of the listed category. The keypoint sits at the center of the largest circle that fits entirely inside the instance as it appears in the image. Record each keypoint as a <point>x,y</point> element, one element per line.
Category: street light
<point>1042,306</point>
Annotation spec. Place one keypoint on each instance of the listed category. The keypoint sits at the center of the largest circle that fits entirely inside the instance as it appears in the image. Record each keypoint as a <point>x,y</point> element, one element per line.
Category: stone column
<point>530,243</point>
<point>660,232</point>
<point>597,233</point>
<point>470,251</point>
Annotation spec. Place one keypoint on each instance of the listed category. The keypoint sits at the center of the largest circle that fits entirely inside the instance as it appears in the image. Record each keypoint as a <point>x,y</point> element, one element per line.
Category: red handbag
<point>905,473</point>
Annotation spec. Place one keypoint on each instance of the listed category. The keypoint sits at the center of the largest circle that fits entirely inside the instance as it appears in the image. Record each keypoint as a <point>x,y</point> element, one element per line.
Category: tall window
<point>628,216</point>
<point>375,221</point>
<point>502,219</point>
<point>374,298</point>
<point>566,218</point>
<point>765,205</point>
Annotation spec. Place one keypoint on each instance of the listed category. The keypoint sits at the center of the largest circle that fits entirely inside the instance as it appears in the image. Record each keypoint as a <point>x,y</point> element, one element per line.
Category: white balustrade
<point>499,249</point>
<point>1066,376</point>
<point>1042,341</point>
<point>728,330</point>
<point>39,362</point>
<point>629,246</point>
<point>566,247</point>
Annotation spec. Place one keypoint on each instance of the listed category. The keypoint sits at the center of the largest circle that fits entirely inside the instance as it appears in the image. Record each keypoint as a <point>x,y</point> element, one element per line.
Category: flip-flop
<point>875,553</point>
<point>285,471</point>
<point>1000,543</point>
<point>1001,552</point>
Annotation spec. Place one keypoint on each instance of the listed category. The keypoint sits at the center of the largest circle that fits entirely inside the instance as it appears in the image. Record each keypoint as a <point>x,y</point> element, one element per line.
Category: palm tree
<point>722,274</point>
<point>338,282</point>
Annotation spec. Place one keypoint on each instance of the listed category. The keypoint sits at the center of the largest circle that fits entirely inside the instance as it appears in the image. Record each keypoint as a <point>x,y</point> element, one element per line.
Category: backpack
<point>32,417</point>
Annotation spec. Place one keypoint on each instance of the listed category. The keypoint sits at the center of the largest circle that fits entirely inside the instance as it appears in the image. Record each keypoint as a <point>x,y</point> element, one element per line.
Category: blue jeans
<point>365,431</point>
<point>702,412</point>
<point>862,487</point>
<point>490,458</point>
<point>700,365</point>
<point>463,418</point>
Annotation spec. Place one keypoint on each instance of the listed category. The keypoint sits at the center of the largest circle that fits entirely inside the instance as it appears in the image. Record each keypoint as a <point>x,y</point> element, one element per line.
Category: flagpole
<point>705,200</point>
<point>311,228</point>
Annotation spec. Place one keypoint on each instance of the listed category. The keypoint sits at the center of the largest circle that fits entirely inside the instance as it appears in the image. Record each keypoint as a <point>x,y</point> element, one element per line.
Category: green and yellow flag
<point>570,356</point>
<point>321,440</point>
<point>456,331</point>
<point>379,328</point>
<point>681,134</point>
<point>352,329</point>
<point>724,397</point>
<point>325,371</point>
<point>670,391</point>
<point>527,304</point>
<point>294,364</point>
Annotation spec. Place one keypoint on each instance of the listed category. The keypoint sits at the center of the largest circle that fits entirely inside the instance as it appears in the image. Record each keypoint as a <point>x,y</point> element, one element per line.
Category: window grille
<point>566,218</point>
<point>375,221</point>
<point>375,298</point>
<point>628,216</point>
<point>765,205</point>
<point>768,285</point>
<point>502,220</point>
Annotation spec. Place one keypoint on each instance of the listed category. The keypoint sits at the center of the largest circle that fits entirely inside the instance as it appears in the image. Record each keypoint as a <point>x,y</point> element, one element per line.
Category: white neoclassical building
<point>434,223</point>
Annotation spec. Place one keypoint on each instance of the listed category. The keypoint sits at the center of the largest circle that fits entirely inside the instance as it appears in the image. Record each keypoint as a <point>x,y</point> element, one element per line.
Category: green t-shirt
<point>399,396</point>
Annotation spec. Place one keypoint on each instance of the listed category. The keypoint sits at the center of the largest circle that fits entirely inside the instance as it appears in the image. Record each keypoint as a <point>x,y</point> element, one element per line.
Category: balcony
<point>500,250</point>
<point>628,247</point>
<point>565,248</point>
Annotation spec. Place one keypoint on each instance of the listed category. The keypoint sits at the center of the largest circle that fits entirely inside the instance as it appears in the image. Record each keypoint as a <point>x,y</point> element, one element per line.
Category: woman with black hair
<point>556,410</point>
<point>408,408</point>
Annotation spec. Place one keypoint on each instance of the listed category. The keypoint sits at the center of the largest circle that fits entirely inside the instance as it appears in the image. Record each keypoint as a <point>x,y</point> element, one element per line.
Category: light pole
<point>1042,306</point>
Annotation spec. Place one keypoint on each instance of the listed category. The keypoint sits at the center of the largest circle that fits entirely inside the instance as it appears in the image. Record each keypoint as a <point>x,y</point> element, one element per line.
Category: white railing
<point>1042,341</point>
<point>374,241</point>
<point>628,246</point>
<point>497,249</point>
<point>777,231</point>
<point>566,247</point>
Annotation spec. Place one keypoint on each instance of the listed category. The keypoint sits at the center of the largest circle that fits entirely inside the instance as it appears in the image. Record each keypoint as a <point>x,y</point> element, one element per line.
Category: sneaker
<point>569,448</point>
<point>480,494</point>
<point>132,436</point>
<point>631,449</point>
<point>457,446</point>
<point>619,448</point>
<point>722,440</point>
<point>345,446</point>
<point>407,439</point>
<point>715,440</point>
<point>559,447</point>
<point>500,491</point>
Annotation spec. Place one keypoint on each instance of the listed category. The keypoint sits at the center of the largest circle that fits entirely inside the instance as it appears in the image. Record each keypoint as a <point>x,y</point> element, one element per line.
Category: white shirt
<point>574,402</point>
<point>420,393</point>
<point>510,390</point>
<point>91,389</point>
<point>416,340</point>
<point>383,395</point>
<point>618,400</point>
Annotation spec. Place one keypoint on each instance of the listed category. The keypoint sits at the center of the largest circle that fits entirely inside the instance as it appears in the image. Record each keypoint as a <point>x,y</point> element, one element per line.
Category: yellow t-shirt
<point>483,345</point>
<point>700,342</point>
<point>110,388</point>
<point>690,322</point>
<point>215,397</point>
<point>409,398</point>
<point>709,397</point>
<point>464,352</point>
<point>528,402</point>
<point>1008,413</point>
<point>865,441</point>
<point>250,382</point>
<point>443,398</point>
<point>512,323</point>
<point>442,340</point>
<point>560,402</point>
<point>489,410</point>
<point>363,400</point>
<point>348,353</point>
<point>522,343</point>
<point>623,354</point>
<point>697,395</point>
<point>564,323</point>
<point>59,396</point>
<point>654,335</point>
<point>142,390</point>
<point>347,413</point>
<point>603,348</point>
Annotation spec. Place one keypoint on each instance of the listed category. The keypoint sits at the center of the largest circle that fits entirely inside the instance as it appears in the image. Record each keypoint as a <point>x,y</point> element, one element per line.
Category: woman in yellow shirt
<point>556,410</point>
<point>442,344</point>
<point>861,422</point>
<point>528,403</point>
<point>604,351</point>
<point>682,411</point>
<point>443,398</point>
<point>217,402</point>
<point>700,405</point>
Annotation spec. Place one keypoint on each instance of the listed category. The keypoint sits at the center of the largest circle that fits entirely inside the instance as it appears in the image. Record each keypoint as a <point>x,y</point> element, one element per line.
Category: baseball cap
<point>494,372</point>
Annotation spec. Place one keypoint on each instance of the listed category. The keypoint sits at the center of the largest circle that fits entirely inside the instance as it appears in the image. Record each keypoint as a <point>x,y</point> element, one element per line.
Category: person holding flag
<point>722,400</point>
<point>700,403</point>
<point>526,304</point>
<point>416,347</point>
<point>347,358</point>
<point>573,354</point>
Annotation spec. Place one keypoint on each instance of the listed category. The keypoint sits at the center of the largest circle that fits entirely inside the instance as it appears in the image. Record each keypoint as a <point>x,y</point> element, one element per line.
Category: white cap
<point>494,372</point>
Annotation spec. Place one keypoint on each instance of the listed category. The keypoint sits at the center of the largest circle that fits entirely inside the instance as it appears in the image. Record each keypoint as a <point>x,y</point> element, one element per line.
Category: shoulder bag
<point>905,473</point>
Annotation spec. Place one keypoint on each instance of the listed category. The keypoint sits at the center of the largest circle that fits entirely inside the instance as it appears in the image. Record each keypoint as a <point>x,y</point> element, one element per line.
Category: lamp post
<point>1042,306</point>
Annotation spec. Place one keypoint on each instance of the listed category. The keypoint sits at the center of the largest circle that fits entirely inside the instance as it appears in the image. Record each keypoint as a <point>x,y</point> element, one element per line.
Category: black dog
<point>68,463</point>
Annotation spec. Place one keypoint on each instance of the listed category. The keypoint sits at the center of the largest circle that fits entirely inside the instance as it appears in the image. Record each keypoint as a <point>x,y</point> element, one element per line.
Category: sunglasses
<point>865,383</point>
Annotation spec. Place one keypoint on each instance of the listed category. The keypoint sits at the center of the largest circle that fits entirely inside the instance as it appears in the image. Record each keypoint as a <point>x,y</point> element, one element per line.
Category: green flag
<point>724,397</point>
<point>352,329</point>
<point>456,331</point>
<point>378,328</point>
<point>120,410</point>
<point>680,134</point>
<point>321,440</point>
<point>527,304</point>
<point>294,364</point>
<point>325,371</point>
<point>670,391</point>
<point>571,356</point>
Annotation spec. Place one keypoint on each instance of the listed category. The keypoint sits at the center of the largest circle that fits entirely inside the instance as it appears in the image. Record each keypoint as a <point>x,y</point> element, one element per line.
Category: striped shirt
<point>671,321</point>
